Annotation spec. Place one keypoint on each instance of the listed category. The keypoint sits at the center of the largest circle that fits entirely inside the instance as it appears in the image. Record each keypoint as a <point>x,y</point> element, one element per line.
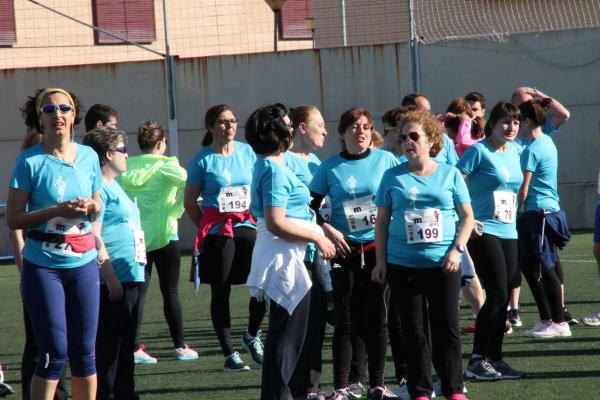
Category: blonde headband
<point>40,97</point>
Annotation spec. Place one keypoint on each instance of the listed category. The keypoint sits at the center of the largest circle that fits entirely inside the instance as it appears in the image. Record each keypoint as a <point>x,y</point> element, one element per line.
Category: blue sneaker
<point>254,346</point>
<point>234,363</point>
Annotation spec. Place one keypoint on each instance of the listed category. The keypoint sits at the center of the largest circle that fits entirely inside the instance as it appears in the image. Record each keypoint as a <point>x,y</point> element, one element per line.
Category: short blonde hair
<point>431,127</point>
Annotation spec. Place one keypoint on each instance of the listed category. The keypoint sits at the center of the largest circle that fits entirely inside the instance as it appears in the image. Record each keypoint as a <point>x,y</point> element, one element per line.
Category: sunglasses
<point>62,108</point>
<point>122,150</point>
<point>414,136</point>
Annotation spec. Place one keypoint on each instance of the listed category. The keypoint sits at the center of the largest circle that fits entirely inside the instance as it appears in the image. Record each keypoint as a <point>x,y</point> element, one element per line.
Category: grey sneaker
<point>339,394</point>
<point>506,371</point>
<point>380,393</point>
<point>254,346</point>
<point>234,363</point>
<point>356,390</point>
<point>482,370</point>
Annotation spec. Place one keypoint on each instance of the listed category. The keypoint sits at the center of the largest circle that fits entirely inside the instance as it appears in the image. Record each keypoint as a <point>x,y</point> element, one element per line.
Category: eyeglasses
<point>365,127</point>
<point>414,136</point>
<point>122,150</point>
<point>226,122</point>
<point>62,108</point>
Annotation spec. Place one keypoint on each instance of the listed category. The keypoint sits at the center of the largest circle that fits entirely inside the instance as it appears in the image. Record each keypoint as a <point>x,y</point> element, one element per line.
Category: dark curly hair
<point>266,132</point>
<point>431,127</point>
<point>30,113</point>
<point>150,133</point>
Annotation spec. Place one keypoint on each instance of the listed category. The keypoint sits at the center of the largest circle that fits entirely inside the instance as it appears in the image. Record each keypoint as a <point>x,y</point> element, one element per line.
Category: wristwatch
<point>460,248</point>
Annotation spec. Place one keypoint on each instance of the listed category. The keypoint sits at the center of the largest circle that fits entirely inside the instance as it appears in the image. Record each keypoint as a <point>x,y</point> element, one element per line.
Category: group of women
<point>392,245</point>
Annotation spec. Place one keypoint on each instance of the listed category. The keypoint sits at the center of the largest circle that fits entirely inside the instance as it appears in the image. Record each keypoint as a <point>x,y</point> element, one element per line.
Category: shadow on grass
<point>212,388</point>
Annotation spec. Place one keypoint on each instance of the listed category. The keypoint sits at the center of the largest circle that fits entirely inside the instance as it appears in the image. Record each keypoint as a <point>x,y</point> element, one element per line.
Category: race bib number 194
<point>234,198</point>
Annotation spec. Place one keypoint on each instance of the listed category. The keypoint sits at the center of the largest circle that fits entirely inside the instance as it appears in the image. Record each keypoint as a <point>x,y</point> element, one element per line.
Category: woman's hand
<point>115,289</point>
<point>378,273</point>
<point>343,250</point>
<point>326,247</point>
<point>451,261</point>
<point>477,229</point>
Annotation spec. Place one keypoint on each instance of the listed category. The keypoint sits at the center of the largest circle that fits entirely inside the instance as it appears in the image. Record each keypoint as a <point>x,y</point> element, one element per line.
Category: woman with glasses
<point>122,256</point>
<point>55,194</point>
<point>491,169</point>
<point>284,228</point>
<point>350,179</point>
<point>419,249</point>
<point>155,183</point>
<point>222,174</point>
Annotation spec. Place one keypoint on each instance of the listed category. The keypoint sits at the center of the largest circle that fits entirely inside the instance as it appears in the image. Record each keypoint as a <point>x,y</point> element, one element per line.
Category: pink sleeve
<point>464,140</point>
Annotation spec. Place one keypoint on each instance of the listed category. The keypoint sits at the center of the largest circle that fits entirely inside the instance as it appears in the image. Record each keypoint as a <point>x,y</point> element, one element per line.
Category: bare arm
<point>18,243</point>
<point>451,262</point>
<point>527,175</point>
<point>381,235</point>
<point>190,203</point>
<point>560,114</point>
<point>115,289</point>
<point>279,225</point>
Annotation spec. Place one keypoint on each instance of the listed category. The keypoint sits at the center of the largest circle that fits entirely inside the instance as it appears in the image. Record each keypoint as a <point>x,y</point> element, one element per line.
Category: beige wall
<point>197,28</point>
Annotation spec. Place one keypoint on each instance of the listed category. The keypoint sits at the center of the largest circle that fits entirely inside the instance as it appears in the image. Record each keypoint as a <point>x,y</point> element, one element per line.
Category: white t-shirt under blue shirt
<point>541,158</point>
<point>120,220</point>
<point>494,179</point>
<point>419,205</point>
<point>351,185</point>
<point>50,181</point>
<point>275,185</point>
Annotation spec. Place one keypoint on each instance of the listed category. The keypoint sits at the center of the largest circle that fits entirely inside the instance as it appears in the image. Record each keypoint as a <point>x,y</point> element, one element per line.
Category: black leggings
<point>361,311</point>
<point>224,262</point>
<point>168,262</point>
<point>496,265</point>
<point>546,291</point>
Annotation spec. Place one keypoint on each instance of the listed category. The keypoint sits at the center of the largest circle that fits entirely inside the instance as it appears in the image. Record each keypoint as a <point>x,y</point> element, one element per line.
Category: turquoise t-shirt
<point>541,158</point>
<point>351,185</point>
<point>120,219</point>
<point>447,154</point>
<point>303,168</point>
<point>274,185</point>
<point>418,201</point>
<point>494,179</point>
<point>50,181</point>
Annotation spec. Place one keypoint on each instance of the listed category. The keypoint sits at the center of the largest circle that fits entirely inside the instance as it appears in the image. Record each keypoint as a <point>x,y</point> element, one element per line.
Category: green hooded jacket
<point>156,184</point>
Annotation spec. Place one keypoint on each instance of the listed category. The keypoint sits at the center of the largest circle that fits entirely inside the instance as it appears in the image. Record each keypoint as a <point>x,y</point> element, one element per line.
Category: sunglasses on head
<point>414,136</point>
<point>62,108</point>
<point>122,150</point>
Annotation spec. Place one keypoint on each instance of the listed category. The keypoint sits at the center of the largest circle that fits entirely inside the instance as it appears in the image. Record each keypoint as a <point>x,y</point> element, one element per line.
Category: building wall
<point>197,28</point>
<point>565,65</point>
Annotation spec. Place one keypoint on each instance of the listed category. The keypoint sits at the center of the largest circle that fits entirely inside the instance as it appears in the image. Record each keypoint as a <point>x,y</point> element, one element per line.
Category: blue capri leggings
<point>63,307</point>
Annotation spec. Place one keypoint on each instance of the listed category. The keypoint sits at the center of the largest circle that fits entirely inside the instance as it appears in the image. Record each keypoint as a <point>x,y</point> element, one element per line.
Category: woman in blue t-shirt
<point>55,194</point>
<point>419,250</point>
<point>350,179</point>
<point>122,257</point>
<point>222,174</point>
<point>538,198</point>
<point>491,168</point>
<point>284,227</point>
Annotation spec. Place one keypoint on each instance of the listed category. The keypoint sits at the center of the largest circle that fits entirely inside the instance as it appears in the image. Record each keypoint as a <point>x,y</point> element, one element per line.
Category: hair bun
<point>546,102</point>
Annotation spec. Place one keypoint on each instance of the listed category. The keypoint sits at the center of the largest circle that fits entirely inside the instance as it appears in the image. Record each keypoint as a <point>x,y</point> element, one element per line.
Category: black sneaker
<point>506,371</point>
<point>514,318</point>
<point>482,370</point>
<point>569,318</point>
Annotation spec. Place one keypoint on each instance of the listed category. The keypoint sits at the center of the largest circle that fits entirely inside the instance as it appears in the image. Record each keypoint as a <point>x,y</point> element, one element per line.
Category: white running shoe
<point>541,325</point>
<point>592,319</point>
<point>552,330</point>
<point>141,357</point>
<point>185,353</point>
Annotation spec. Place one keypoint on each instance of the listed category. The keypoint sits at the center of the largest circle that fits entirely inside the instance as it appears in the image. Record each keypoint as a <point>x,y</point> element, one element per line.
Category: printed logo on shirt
<point>351,183</point>
<point>61,186</point>
<point>506,174</point>
<point>227,175</point>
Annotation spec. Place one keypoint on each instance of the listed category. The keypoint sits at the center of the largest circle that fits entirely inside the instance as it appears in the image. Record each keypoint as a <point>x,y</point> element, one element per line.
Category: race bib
<point>505,204</point>
<point>423,226</point>
<point>360,213</point>
<point>234,198</point>
<point>63,226</point>
<point>325,210</point>
<point>140,246</point>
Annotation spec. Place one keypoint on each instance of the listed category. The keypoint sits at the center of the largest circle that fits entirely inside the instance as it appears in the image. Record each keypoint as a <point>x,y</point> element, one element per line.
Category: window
<point>292,23</point>
<point>8,31</point>
<point>132,19</point>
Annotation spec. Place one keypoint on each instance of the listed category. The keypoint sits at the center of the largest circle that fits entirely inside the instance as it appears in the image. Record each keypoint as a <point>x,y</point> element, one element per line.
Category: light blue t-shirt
<point>541,157</point>
<point>352,181</point>
<point>210,171</point>
<point>490,172</point>
<point>403,192</point>
<point>548,128</point>
<point>274,185</point>
<point>120,219</point>
<point>50,181</point>
<point>303,168</point>
<point>446,155</point>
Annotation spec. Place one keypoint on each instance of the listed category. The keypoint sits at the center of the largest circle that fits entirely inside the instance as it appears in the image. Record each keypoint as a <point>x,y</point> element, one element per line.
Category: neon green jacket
<point>156,184</point>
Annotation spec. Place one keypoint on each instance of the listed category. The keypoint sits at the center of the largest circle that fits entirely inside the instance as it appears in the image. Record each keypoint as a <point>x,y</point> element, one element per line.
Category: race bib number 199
<point>423,226</point>
<point>234,198</point>
<point>360,213</point>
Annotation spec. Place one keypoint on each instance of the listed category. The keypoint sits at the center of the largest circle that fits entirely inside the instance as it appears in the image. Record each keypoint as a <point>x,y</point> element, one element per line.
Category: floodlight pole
<point>171,88</point>
<point>414,47</point>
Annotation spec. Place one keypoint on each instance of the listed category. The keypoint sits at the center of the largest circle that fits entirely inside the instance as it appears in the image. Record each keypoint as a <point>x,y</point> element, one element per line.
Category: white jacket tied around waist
<point>278,272</point>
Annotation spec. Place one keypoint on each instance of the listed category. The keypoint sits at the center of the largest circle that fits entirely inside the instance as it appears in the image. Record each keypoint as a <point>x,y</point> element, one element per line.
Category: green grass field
<point>557,368</point>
